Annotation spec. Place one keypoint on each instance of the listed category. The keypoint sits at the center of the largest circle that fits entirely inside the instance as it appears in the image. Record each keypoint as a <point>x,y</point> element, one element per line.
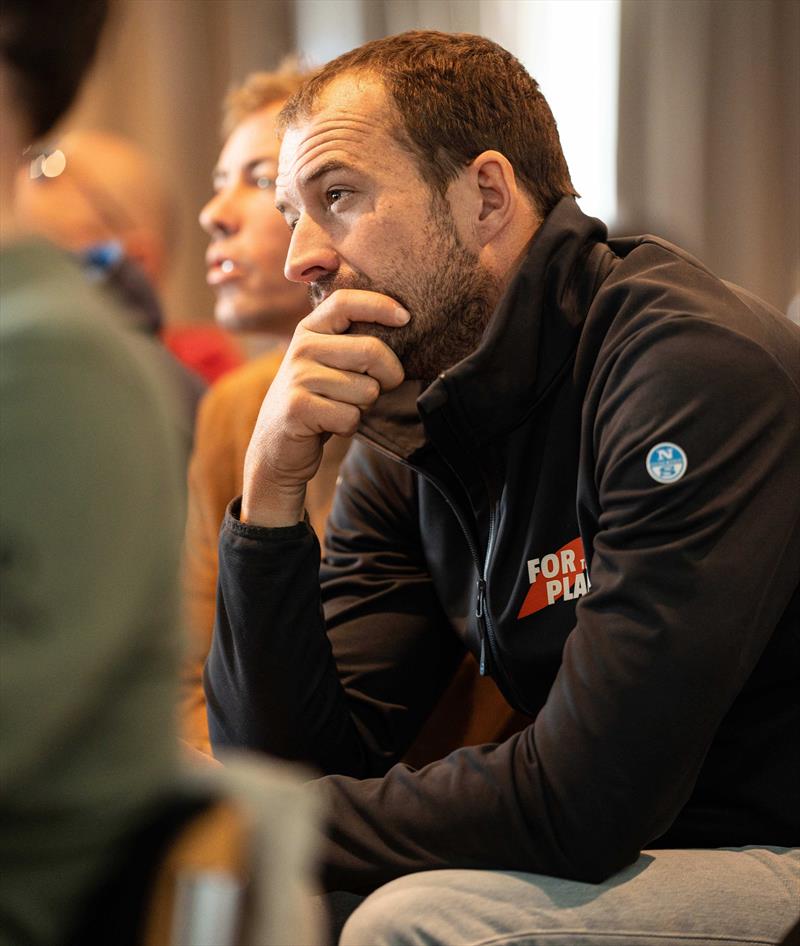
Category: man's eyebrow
<point>264,159</point>
<point>333,164</point>
<point>325,168</point>
<point>220,174</point>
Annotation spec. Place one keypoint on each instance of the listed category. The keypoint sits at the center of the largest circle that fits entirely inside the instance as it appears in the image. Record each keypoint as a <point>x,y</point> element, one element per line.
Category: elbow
<point>596,867</point>
<point>594,857</point>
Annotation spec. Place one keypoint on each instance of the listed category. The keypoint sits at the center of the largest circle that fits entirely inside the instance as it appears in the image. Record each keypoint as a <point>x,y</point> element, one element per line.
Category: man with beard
<point>247,249</point>
<point>578,459</point>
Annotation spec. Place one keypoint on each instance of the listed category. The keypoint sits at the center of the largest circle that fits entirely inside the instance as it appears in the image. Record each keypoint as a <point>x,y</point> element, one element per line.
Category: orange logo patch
<point>558,575</point>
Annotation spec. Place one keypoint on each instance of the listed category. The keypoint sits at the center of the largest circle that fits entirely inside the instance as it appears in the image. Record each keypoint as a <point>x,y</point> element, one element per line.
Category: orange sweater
<point>225,421</point>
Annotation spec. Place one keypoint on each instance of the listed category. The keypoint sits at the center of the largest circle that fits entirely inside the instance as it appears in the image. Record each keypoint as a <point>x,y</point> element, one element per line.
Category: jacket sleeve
<point>689,580</point>
<point>336,666</point>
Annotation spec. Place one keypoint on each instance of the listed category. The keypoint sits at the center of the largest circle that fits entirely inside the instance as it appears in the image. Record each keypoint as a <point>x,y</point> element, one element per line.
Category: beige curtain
<point>709,135</point>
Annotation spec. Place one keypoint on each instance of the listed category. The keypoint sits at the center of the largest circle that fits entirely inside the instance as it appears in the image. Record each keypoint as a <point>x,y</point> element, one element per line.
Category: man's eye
<point>264,183</point>
<point>335,194</point>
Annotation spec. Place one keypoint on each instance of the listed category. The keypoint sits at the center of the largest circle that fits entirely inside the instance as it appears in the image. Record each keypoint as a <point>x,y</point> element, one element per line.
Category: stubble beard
<point>449,295</point>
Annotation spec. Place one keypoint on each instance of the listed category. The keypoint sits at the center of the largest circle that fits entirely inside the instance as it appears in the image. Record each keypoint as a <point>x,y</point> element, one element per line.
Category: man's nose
<point>311,254</point>
<point>219,216</point>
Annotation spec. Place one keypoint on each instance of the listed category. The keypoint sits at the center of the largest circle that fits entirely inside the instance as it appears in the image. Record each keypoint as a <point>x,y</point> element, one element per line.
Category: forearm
<point>482,807</point>
<point>271,681</point>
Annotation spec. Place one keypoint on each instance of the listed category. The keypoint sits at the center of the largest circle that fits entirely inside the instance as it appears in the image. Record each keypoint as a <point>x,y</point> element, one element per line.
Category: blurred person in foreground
<point>91,505</point>
<point>578,458</point>
<point>248,247</point>
<point>102,197</point>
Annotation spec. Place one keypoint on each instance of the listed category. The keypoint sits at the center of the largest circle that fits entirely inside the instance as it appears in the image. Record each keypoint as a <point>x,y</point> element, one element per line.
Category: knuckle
<point>350,421</point>
<point>372,388</point>
<point>302,345</point>
<point>304,328</point>
<point>372,346</point>
<point>295,404</point>
<point>371,350</point>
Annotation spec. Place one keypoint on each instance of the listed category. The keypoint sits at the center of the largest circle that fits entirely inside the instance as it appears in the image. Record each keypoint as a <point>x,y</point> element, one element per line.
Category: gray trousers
<point>699,897</point>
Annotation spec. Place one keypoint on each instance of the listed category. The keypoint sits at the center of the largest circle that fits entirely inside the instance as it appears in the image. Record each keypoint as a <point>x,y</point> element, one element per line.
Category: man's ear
<point>492,177</point>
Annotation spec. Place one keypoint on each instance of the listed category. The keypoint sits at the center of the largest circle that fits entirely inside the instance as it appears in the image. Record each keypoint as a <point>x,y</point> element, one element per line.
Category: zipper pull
<point>480,614</point>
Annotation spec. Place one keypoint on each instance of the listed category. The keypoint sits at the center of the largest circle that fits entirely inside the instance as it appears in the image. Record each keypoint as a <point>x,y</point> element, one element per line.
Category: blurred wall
<point>709,111</point>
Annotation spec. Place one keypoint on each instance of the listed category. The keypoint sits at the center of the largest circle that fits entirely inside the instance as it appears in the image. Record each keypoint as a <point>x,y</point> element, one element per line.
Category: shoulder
<point>244,385</point>
<point>688,359</point>
<point>667,314</point>
<point>255,375</point>
<point>62,338</point>
<point>226,417</point>
<point>79,399</point>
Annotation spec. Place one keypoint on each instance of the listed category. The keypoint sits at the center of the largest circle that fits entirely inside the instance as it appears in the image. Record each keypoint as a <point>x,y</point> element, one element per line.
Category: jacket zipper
<point>489,663</point>
<point>485,629</point>
<point>480,614</point>
<point>481,609</point>
<point>487,632</point>
<point>484,615</point>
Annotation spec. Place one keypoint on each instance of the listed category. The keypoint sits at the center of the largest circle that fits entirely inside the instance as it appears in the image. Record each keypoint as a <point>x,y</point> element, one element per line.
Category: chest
<point>509,528</point>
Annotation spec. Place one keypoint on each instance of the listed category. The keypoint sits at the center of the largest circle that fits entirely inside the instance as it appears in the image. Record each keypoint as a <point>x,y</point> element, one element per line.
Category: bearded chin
<point>402,340</point>
<point>434,341</point>
<point>449,296</point>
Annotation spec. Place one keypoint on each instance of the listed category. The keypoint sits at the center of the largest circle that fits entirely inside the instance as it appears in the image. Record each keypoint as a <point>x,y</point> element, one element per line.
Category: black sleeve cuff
<point>233,523</point>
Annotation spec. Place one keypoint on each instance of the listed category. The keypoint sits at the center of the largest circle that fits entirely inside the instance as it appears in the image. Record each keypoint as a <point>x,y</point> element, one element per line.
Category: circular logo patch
<point>666,463</point>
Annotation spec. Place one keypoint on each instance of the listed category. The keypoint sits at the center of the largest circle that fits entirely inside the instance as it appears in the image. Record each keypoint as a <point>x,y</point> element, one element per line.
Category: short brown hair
<point>261,89</point>
<point>458,95</point>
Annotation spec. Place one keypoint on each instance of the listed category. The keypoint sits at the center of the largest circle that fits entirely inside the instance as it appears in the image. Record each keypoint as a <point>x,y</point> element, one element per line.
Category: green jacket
<point>91,509</point>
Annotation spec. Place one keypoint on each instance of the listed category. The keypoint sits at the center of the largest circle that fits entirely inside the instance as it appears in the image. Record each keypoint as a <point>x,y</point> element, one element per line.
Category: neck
<point>504,258</point>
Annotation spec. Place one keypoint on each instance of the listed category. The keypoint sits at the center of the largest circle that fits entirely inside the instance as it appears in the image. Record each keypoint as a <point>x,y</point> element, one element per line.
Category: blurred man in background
<point>101,196</point>
<point>91,504</point>
<point>245,267</point>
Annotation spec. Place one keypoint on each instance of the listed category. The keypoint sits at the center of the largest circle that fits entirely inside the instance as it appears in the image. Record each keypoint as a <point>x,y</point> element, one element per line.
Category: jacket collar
<point>531,337</point>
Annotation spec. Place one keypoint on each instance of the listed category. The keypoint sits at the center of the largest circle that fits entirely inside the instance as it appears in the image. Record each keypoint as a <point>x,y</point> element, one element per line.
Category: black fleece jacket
<point>602,503</point>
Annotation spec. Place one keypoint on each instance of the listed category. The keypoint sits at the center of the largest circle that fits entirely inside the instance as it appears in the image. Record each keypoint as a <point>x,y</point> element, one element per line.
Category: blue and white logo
<point>666,463</point>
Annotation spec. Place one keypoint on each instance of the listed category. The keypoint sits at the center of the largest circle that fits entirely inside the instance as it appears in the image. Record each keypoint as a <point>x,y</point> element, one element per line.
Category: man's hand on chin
<point>325,382</point>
